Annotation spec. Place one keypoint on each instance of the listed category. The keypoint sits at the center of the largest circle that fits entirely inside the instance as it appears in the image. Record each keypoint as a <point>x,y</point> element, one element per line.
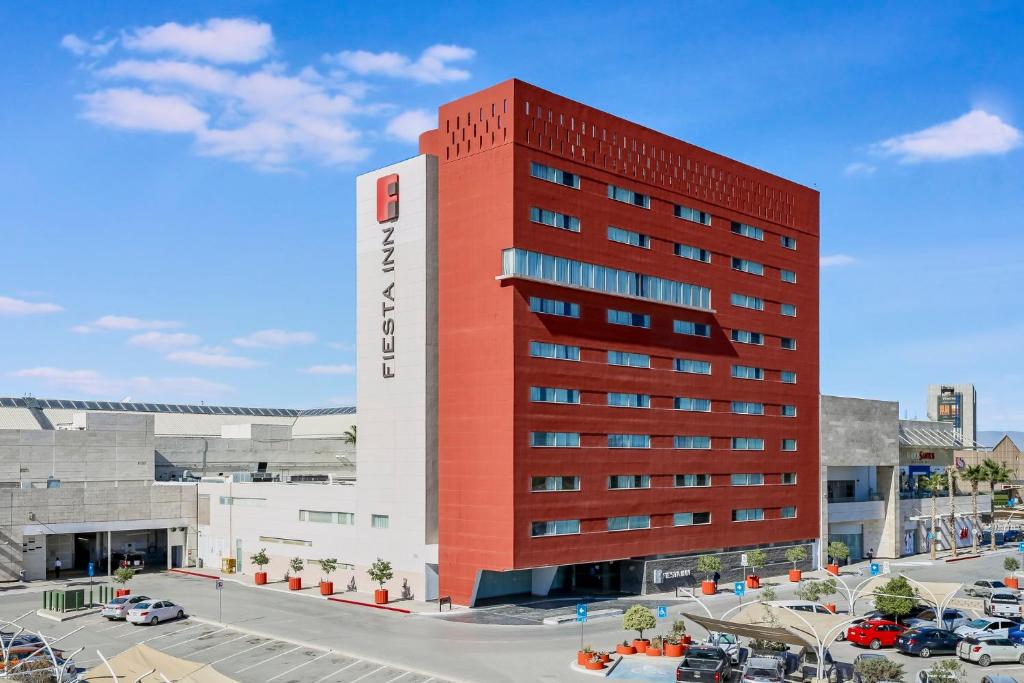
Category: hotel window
<point>788,343</point>
<point>690,328</point>
<point>747,443</point>
<point>789,242</point>
<point>618,400</point>
<point>747,372</point>
<point>789,444</point>
<point>787,276</point>
<point>745,301</point>
<point>553,395</point>
<point>787,377</point>
<point>629,237</point>
<point>748,515</point>
<point>693,405</point>
<point>629,319</point>
<point>788,512</point>
<point>629,441</point>
<point>693,253</point>
<point>629,481</point>
<point>747,337</point>
<point>747,479</point>
<point>750,231</point>
<point>327,517</point>
<point>380,521</point>
<point>555,439</point>
<point>554,484</point>
<point>693,480</point>
<point>788,478</point>
<point>556,351</point>
<point>554,219</point>
<point>621,194</point>
<point>692,367</point>
<point>686,213</point>
<point>629,523</point>
<point>691,518</point>
<point>632,360</point>
<point>554,175</point>
<point>554,307</point>
<point>788,411</point>
<point>545,267</point>
<point>747,408</point>
<point>788,309</point>
<point>561,527</point>
<point>746,266</point>
<point>692,442</point>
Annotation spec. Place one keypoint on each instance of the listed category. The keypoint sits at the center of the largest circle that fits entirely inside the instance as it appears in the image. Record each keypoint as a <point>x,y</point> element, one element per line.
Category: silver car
<point>985,651</point>
<point>118,607</point>
<point>764,670</point>
<point>983,589</point>
<point>951,619</point>
<point>154,611</point>
<point>986,627</point>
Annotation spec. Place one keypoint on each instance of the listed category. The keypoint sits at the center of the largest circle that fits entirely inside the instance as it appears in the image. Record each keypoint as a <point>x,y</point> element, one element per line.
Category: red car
<point>875,633</point>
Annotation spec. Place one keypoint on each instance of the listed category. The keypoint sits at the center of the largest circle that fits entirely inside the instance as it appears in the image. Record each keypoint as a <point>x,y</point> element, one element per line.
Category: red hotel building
<point>627,352</point>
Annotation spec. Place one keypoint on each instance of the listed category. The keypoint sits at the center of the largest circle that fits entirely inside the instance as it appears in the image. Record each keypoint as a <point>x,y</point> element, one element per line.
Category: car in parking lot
<point>764,670</point>
<point>1013,536</point>
<point>728,643</point>
<point>987,651</point>
<point>704,664</point>
<point>1002,604</point>
<point>951,619</point>
<point>154,611</point>
<point>986,626</point>
<point>983,589</point>
<point>986,538</point>
<point>927,641</point>
<point>118,607</point>
<point>875,633</point>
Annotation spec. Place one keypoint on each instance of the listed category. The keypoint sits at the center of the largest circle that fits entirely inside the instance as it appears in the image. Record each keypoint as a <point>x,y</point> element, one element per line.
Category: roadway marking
<point>172,633</point>
<point>210,647</point>
<point>241,652</point>
<point>335,673</point>
<point>368,674</point>
<point>403,675</point>
<point>308,661</point>
<point>196,638</point>
<point>111,628</point>
<point>279,654</point>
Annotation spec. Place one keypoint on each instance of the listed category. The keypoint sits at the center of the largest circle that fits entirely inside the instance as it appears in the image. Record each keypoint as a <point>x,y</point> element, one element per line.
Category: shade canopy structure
<point>813,626</point>
<point>935,593</point>
<point>142,659</point>
<point>752,630</point>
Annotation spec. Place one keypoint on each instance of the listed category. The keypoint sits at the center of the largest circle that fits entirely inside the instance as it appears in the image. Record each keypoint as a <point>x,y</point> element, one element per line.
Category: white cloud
<point>837,260</point>
<point>93,383</point>
<point>408,125</point>
<point>124,323</point>
<point>976,133</point>
<point>341,369</point>
<point>137,110</point>
<point>265,338</point>
<point>218,40</point>
<point>433,65</point>
<point>164,341</point>
<point>213,357</point>
<point>859,168</point>
<point>342,346</point>
<point>83,48</point>
<point>10,306</point>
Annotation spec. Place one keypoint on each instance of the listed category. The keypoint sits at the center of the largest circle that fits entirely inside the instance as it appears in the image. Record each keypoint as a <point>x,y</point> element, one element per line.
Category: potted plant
<point>708,565</point>
<point>585,655</point>
<point>654,649</point>
<point>812,591</point>
<point>678,631</point>
<point>796,554</point>
<point>380,573</point>
<point>605,657</point>
<point>1011,565</point>
<point>295,566</point>
<point>755,560</point>
<point>261,560</point>
<point>625,649</point>
<point>826,588</point>
<point>639,618</point>
<point>594,663</point>
<point>122,576</point>
<point>328,566</point>
<point>673,646</point>
<point>837,551</point>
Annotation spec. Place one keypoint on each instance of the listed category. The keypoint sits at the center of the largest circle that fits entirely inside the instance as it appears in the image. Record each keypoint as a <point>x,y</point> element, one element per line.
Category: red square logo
<point>387,198</point>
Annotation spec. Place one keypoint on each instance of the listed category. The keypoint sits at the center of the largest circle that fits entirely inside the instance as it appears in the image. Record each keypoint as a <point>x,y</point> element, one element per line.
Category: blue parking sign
<point>662,611</point>
<point>92,569</point>
<point>875,569</point>
<point>1020,547</point>
<point>581,612</point>
<point>739,588</point>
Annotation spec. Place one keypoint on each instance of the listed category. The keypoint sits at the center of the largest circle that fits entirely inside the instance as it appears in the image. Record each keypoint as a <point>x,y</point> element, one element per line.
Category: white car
<point>118,607</point>
<point>983,589</point>
<point>986,627</point>
<point>985,651</point>
<point>951,619</point>
<point>727,643</point>
<point>154,611</point>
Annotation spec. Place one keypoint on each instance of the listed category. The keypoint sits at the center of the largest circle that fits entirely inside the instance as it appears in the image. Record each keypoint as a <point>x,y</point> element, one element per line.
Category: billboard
<point>949,407</point>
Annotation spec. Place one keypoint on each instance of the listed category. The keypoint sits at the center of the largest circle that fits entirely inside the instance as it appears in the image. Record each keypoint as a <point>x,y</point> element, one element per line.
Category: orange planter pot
<point>687,639</point>
<point>122,592</point>
<point>294,583</point>
<point>595,666</point>
<point>583,657</point>
<point>260,578</point>
<point>625,650</point>
<point>707,587</point>
<point>795,575</point>
<point>831,607</point>
<point>380,596</point>
<point>653,652</point>
<point>832,569</point>
<point>604,657</point>
<point>674,650</point>
<point>326,588</point>
<point>753,581</point>
<point>1012,582</point>
<point>640,645</point>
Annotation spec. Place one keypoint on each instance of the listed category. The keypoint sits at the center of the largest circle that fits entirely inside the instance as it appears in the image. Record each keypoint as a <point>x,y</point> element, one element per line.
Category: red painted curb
<point>370,604</point>
<point>199,574</point>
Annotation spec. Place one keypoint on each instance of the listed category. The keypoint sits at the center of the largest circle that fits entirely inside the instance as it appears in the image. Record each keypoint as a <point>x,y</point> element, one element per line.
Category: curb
<point>596,614</point>
<point>400,610</point>
<point>191,573</point>
<point>53,616</point>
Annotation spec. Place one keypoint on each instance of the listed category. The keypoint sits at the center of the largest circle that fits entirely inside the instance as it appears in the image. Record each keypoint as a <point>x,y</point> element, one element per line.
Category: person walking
<point>56,568</point>
<point>871,555</point>
<point>716,577</point>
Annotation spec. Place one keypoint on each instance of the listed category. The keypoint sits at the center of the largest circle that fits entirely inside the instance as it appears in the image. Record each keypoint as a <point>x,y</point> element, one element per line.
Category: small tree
<point>638,618</point>
<point>796,555</point>
<point>123,575</point>
<point>768,594</point>
<point>875,670</point>
<point>708,565</point>
<point>896,597</point>
<point>947,671</point>
<point>380,572</point>
<point>756,559</point>
<point>260,559</point>
<point>1011,565</point>
<point>296,564</point>
<point>678,629</point>
<point>838,551</point>
<point>328,566</point>
<point>350,435</point>
<point>813,591</point>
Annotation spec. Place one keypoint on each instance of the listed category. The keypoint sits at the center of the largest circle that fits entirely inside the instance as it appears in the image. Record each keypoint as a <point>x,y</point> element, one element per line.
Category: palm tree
<point>951,484</point>
<point>995,473</point>
<point>934,483</point>
<point>974,474</point>
<point>349,435</point>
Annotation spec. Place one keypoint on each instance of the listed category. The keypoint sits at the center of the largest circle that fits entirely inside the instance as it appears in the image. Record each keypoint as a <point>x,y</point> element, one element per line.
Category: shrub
<point>124,575</point>
<point>638,618</point>
<point>796,554</point>
<point>756,559</point>
<point>948,671</point>
<point>678,629</point>
<point>876,670</point>
<point>260,559</point>
<point>328,566</point>
<point>380,572</point>
<point>837,550</point>
<point>1011,564</point>
<point>896,596</point>
<point>296,564</point>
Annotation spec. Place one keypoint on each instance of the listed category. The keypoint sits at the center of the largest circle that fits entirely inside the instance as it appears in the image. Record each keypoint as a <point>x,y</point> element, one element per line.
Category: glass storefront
<point>855,542</point>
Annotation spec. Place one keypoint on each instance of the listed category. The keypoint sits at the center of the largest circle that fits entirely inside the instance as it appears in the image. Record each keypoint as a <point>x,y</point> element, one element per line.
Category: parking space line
<point>242,652</point>
<point>370,673</point>
<point>172,633</point>
<point>111,628</point>
<point>401,675</point>
<point>210,647</point>
<point>197,638</point>
<point>279,654</point>
<point>335,673</point>
<point>310,661</point>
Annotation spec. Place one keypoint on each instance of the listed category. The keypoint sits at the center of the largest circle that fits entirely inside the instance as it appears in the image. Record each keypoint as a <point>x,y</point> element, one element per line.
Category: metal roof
<point>181,408</point>
<point>936,437</point>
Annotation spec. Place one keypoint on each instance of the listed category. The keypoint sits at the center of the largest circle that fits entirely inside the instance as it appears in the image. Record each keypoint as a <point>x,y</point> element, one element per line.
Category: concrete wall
<point>732,569</point>
<point>212,456</point>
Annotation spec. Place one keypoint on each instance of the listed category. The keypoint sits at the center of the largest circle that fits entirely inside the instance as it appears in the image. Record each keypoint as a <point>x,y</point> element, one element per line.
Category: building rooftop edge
<point>169,408</point>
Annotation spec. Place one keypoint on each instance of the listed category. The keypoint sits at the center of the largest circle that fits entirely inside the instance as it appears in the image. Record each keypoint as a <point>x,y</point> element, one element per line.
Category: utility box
<point>227,565</point>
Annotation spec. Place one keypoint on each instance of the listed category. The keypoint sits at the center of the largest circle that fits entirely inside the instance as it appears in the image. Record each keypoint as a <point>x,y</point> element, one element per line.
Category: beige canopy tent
<point>133,663</point>
<point>935,593</point>
<point>753,631</point>
<point>814,625</point>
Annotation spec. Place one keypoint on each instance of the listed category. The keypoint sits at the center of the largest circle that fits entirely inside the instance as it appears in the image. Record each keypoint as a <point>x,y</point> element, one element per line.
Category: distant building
<point>955,404</point>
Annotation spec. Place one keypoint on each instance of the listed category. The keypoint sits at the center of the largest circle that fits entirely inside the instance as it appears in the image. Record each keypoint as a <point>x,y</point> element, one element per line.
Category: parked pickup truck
<point>1002,604</point>
<point>704,664</point>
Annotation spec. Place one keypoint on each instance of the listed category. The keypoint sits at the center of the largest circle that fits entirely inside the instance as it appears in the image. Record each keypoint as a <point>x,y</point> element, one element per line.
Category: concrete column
<point>109,555</point>
<point>168,544</point>
<point>541,579</point>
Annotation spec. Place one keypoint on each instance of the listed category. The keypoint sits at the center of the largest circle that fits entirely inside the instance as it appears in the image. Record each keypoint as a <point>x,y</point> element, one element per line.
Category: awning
<point>754,631</point>
<point>136,661</point>
<point>937,437</point>
<point>932,592</point>
<point>813,625</point>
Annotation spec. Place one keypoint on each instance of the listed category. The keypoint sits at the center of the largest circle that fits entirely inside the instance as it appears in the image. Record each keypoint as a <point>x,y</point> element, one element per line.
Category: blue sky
<point>176,179</point>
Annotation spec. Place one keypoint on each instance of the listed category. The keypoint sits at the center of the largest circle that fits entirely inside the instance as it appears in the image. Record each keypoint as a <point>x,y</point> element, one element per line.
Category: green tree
<point>1011,564</point>
<point>708,565</point>
<point>946,671</point>
<point>838,551</point>
<point>260,558</point>
<point>349,435</point>
<point>995,473</point>
<point>951,473</point>
<point>756,559</point>
<point>123,575</point>
<point>896,597</point>
<point>328,566</point>
<point>296,564</point>
<point>380,572</point>
<point>975,474</point>
<point>768,594</point>
<point>934,483</point>
<point>875,670</point>
<point>638,618</point>
<point>796,554</point>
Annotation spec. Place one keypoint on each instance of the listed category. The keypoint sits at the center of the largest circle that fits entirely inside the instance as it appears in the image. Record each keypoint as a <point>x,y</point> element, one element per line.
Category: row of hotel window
<point>641,200</point>
<point>643,481</point>
<point>565,527</point>
<point>684,442</point>
<point>688,404</point>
